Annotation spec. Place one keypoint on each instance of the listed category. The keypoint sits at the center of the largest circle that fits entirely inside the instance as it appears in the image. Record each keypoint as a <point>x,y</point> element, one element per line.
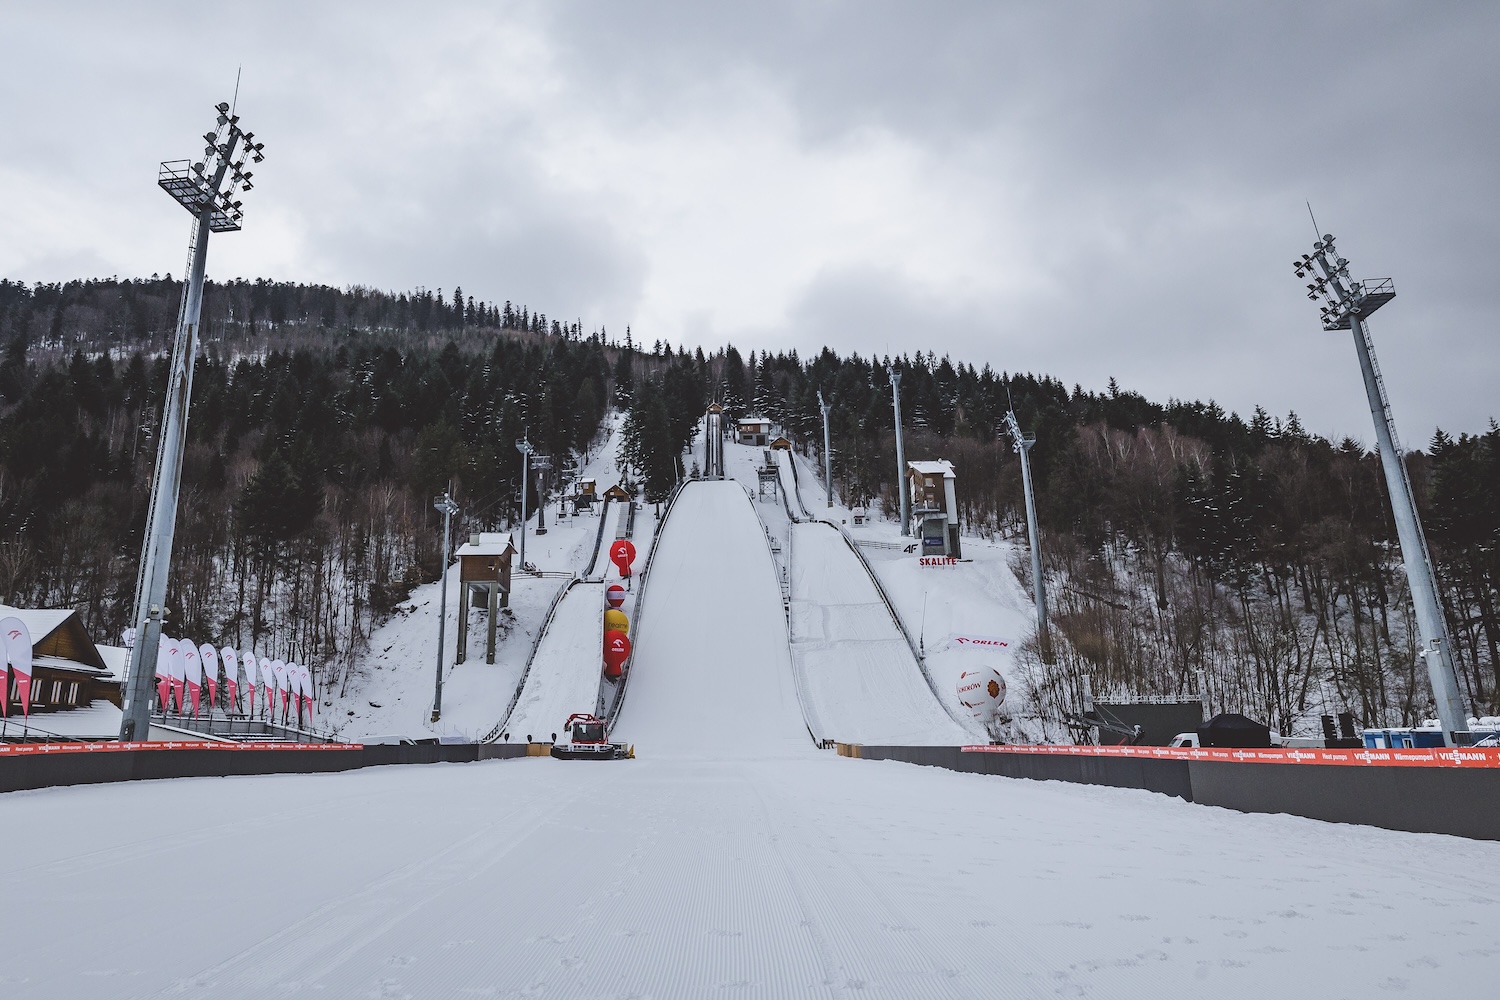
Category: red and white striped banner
<point>1362,757</point>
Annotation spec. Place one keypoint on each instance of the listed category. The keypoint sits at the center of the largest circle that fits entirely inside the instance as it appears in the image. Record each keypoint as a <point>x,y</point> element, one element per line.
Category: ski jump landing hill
<point>864,684</point>
<point>711,675</point>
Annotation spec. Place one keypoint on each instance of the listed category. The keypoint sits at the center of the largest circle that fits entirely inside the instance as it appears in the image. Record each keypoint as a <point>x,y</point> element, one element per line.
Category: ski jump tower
<point>713,442</point>
<point>207,190</point>
<point>1346,306</point>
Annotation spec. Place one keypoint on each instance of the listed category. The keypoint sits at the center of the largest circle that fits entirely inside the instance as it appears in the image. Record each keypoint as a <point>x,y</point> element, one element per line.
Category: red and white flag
<point>231,674</point>
<point>209,657</point>
<point>163,673</point>
<point>16,639</point>
<point>268,682</point>
<point>193,675</point>
<point>278,668</point>
<point>252,675</point>
<point>179,671</point>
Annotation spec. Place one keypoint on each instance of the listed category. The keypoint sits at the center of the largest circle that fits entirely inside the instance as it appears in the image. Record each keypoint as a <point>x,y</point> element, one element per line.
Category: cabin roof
<point>939,467</point>
<point>487,543</point>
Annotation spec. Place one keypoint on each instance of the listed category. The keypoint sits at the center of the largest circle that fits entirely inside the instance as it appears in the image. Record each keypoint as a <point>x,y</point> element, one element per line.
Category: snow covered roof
<point>940,467</point>
<point>114,659</point>
<point>755,422</point>
<point>487,543</point>
<point>57,632</point>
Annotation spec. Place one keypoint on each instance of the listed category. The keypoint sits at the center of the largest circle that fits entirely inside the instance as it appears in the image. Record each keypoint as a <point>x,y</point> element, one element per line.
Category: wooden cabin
<point>782,443</point>
<point>484,581</point>
<point>67,669</point>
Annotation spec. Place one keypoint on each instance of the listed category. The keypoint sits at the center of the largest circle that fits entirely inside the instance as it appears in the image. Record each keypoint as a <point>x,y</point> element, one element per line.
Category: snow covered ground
<point>711,674</point>
<point>979,596</point>
<point>863,682</point>
<point>565,675</point>
<point>804,875</point>
<point>391,688</point>
<point>730,859</point>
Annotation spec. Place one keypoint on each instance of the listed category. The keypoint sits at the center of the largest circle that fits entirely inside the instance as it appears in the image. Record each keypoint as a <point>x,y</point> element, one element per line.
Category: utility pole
<point>900,451</point>
<point>1347,305</point>
<point>200,189</point>
<point>525,447</point>
<point>827,451</point>
<point>447,508</point>
<point>1023,446</point>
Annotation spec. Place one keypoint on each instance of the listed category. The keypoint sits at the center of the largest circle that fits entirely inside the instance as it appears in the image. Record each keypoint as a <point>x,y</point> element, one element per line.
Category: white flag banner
<point>251,667</point>
<point>193,668</point>
<point>179,672</point>
<point>278,668</point>
<point>231,673</point>
<point>163,672</point>
<point>269,685</point>
<point>15,646</point>
<point>209,657</point>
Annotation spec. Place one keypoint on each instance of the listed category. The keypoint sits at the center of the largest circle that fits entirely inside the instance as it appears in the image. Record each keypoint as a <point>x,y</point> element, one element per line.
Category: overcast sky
<point>1082,190</point>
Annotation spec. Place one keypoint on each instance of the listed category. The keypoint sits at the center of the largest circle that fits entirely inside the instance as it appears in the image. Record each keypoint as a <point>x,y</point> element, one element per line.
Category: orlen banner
<point>16,639</point>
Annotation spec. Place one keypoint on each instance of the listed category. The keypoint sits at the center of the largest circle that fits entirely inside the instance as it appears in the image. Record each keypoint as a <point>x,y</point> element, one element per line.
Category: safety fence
<point>45,765</point>
<point>1446,790</point>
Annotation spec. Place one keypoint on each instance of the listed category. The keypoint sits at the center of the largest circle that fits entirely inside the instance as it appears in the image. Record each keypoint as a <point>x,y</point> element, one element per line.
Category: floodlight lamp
<point>1318,245</point>
<point>237,205</point>
<point>234,119</point>
<point>222,107</point>
<point>210,137</point>
<point>247,185</point>
<point>197,168</point>
<point>222,121</point>
<point>249,137</point>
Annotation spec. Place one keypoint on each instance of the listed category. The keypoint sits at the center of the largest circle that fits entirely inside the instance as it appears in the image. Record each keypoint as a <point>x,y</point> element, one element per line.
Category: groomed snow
<point>862,681</point>
<point>812,877</point>
<point>711,673</point>
<point>564,676</point>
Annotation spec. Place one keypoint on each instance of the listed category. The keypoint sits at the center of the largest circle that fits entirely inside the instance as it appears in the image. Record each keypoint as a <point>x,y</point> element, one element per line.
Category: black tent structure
<point>1230,729</point>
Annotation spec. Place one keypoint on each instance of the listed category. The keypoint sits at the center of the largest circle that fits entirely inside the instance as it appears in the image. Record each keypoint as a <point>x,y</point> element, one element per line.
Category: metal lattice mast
<point>900,451</point>
<point>827,450</point>
<point>446,506</point>
<point>1023,446</point>
<point>201,189</point>
<point>1346,306</point>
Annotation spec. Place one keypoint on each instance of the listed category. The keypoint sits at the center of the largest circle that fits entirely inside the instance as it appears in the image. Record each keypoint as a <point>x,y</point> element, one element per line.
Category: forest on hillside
<point>1179,538</point>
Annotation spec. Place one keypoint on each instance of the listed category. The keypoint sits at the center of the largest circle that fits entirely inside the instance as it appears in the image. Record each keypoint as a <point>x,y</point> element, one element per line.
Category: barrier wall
<point>44,765</point>
<point>1420,791</point>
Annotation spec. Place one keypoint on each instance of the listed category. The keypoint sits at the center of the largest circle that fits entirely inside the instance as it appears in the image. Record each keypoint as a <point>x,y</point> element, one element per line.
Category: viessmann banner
<point>1438,757</point>
<point>110,746</point>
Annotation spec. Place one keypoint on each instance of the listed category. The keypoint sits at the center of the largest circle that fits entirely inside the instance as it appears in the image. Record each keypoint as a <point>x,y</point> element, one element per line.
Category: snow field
<point>565,674</point>
<point>814,876</point>
<point>391,687</point>
<point>711,672</point>
<point>863,682</point>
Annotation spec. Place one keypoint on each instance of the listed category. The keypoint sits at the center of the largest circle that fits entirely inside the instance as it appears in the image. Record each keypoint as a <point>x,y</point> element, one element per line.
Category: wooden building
<point>484,581</point>
<point>782,443</point>
<point>67,669</point>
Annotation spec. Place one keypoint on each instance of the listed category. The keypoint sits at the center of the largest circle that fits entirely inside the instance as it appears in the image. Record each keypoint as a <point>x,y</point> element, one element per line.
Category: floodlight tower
<point>200,188</point>
<point>827,451</point>
<point>525,447</point>
<point>446,506</point>
<point>900,451</point>
<point>1023,445</point>
<point>1346,306</point>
